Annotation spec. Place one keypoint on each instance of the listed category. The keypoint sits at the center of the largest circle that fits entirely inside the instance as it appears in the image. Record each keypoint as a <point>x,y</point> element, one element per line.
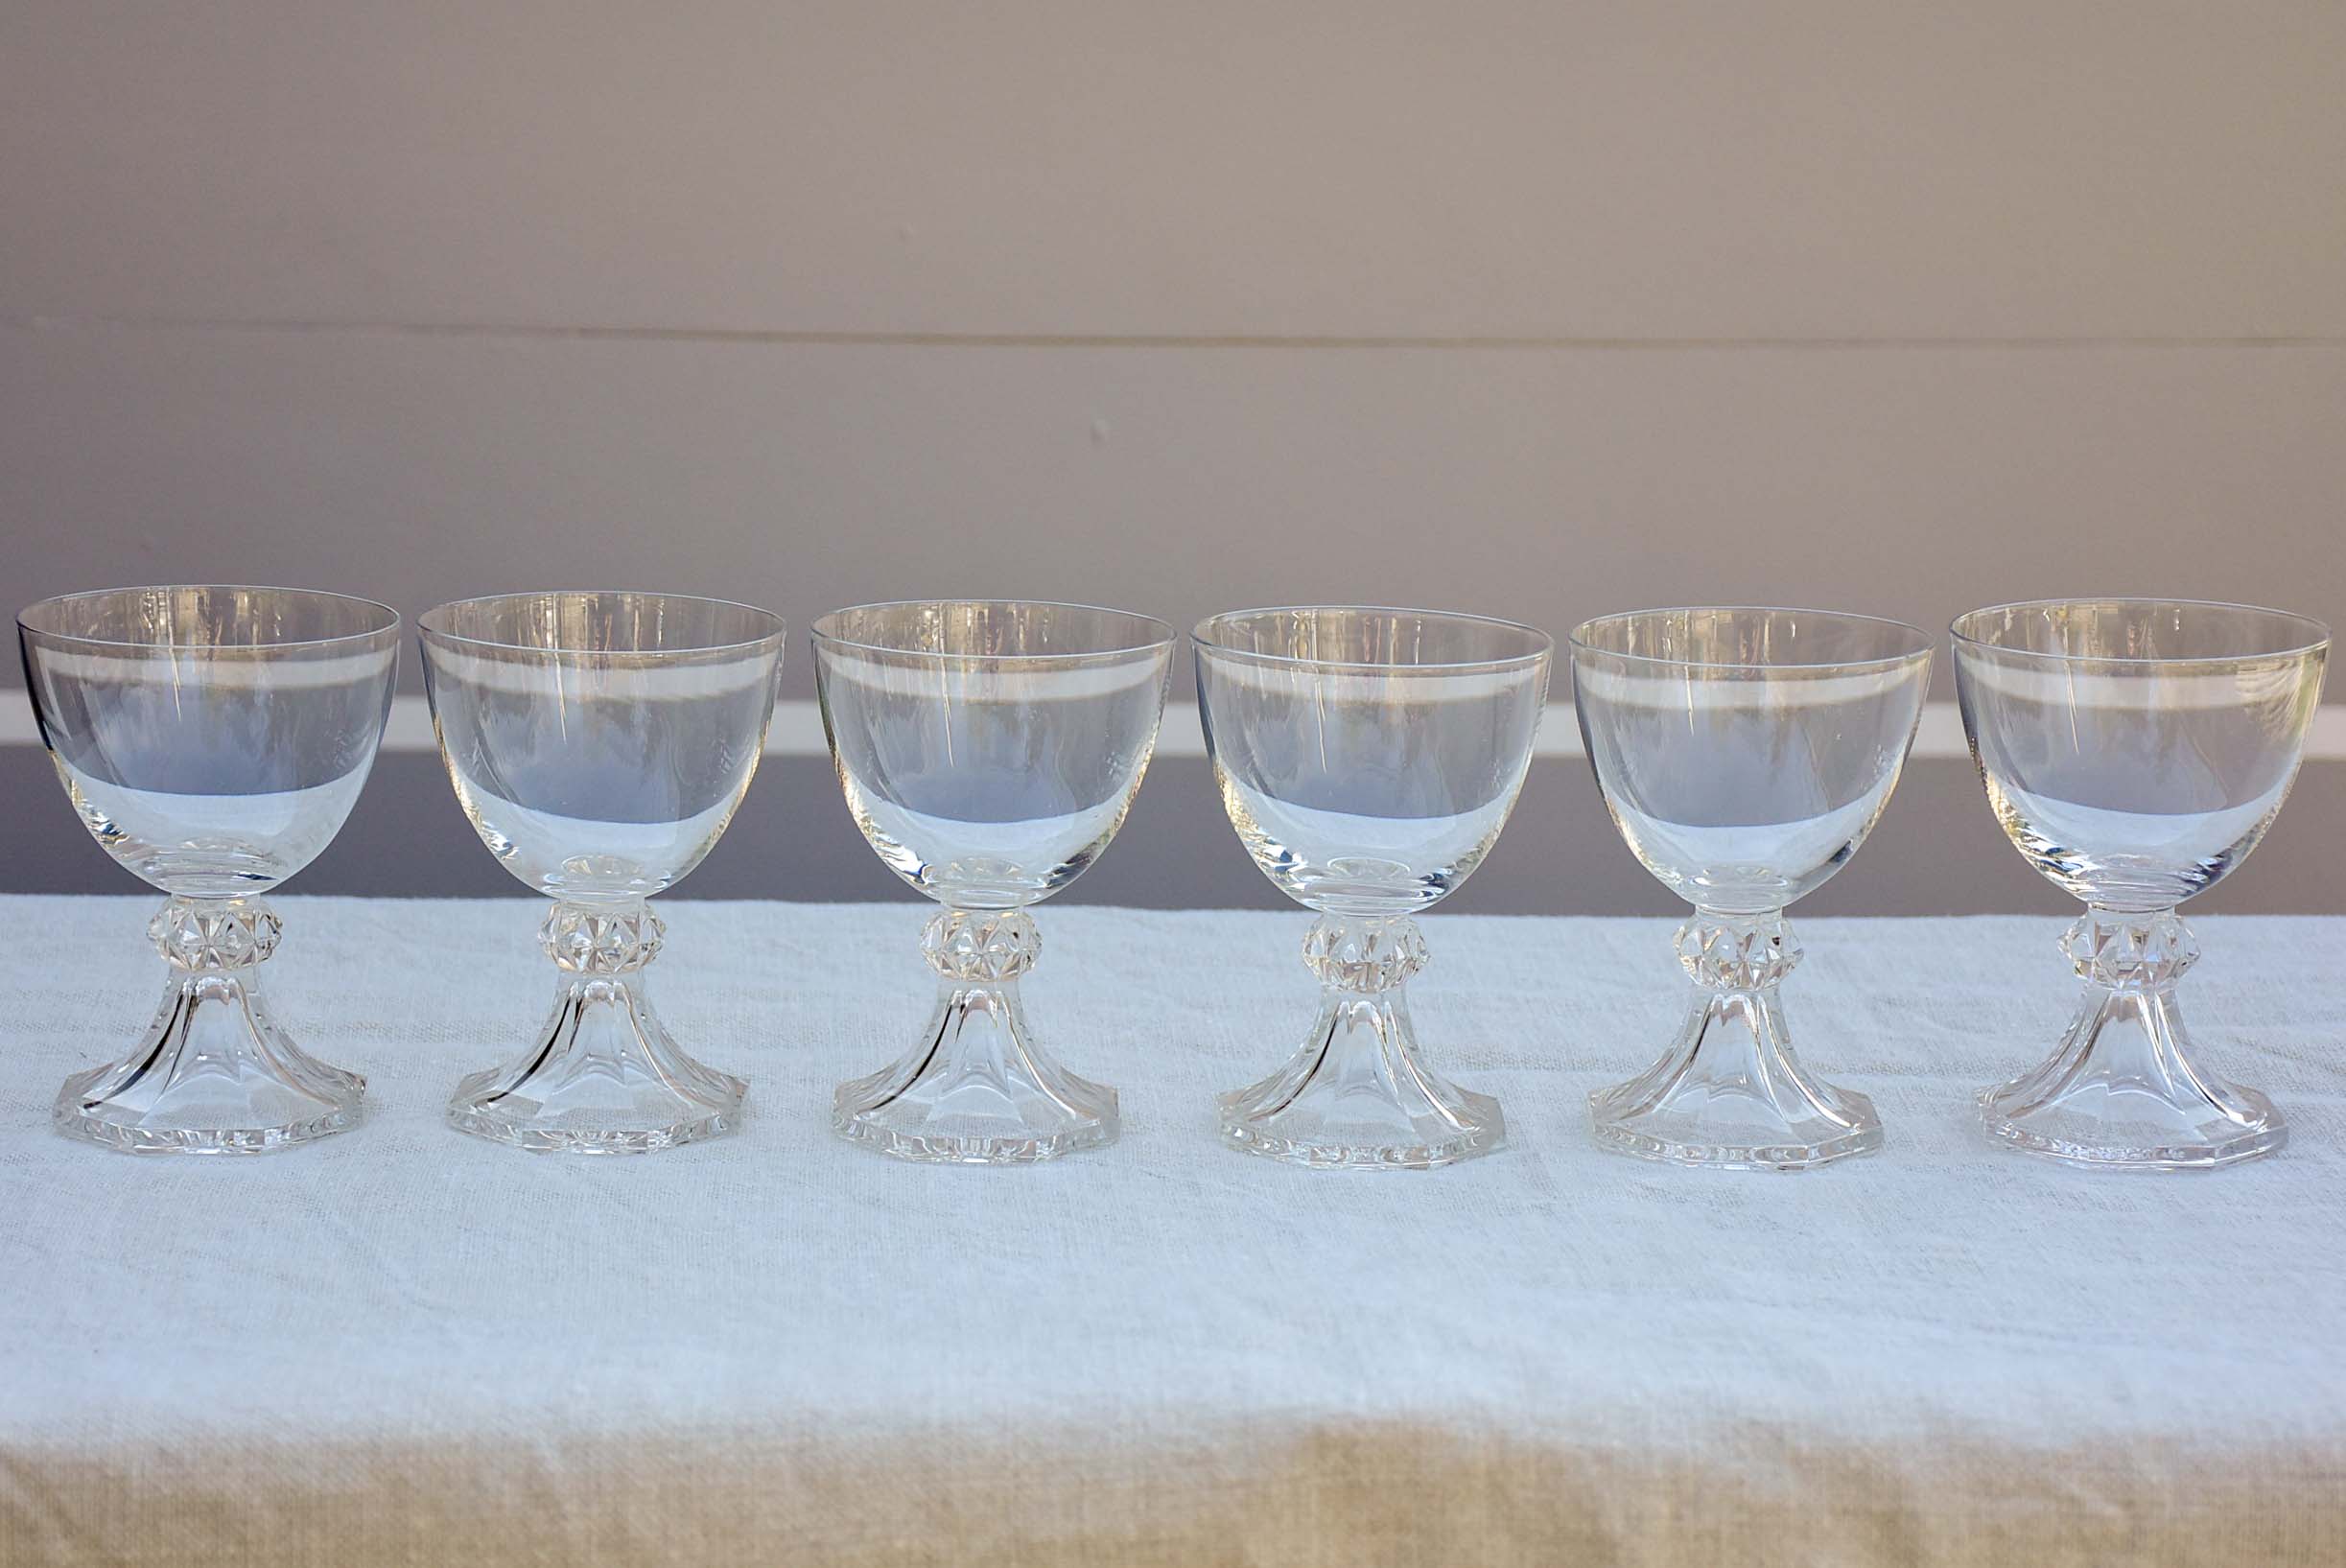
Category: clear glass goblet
<point>213,739</point>
<point>1368,758</point>
<point>600,743</point>
<point>2135,751</point>
<point>989,750</point>
<point>1745,753</point>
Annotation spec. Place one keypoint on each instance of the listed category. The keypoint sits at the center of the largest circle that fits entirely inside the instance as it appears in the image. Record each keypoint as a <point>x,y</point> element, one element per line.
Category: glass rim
<point>2318,642</point>
<point>1924,643</point>
<point>389,628</point>
<point>817,633</point>
<point>1199,635</point>
<point>424,623</point>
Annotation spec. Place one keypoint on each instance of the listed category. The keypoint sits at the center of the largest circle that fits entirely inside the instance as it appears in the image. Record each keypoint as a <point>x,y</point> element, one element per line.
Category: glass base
<point>2118,1136</point>
<point>603,1077</point>
<point>975,1090</point>
<point>2120,1093</point>
<point>1700,1130</point>
<point>213,1075</point>
<point>1358,1095</point>
<point>1729,1093</point>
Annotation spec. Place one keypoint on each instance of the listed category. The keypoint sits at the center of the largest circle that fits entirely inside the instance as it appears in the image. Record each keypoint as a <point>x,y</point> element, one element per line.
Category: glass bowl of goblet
<point>600,743</point>
<point>1743,754</point>
<point>1368,758</point>
<point>213,739</point>
<point>2135,751</point>
<point>989,751</point>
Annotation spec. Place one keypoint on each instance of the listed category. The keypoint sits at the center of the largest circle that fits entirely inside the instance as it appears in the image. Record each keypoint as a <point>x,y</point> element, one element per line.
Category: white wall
<point>1544,309</point>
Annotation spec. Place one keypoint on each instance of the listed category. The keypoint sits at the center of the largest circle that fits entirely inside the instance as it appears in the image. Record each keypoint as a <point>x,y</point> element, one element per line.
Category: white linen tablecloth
<point>403,1345</point>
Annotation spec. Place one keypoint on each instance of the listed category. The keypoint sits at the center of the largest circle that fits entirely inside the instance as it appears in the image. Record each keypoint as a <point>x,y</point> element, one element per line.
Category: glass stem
<point>2127,1028</point>
<point>1735,1029</point>
<point>602,1075</point>
<point>1358,1094</point>
<point>213,1019</point>
<point>213,1072</point>
<point>602,1018</point>
<point>1729,1092</point>
<point>975,1088</point>
<point>1364,1037</point>
<point>2130,964</point>
<point>978,1033</point>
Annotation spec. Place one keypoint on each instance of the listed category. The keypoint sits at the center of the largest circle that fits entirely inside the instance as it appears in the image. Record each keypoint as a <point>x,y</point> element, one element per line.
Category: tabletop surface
<point>401,1337</point>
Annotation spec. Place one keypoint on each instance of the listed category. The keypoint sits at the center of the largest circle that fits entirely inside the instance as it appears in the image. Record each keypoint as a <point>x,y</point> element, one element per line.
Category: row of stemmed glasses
<point>2134,750</point>
<point>215,739</point>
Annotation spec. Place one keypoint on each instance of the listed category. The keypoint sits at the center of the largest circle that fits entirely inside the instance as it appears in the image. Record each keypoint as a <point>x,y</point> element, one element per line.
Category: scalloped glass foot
<point>1448,1125</point>
<point>212,1077</point>
<point>603,1077</point>
<point>1730,1095</point>
<point>1358,1096</point>
<point>2103,1127</point>
<point>2120,1093</point>
<point>975,1091</point>
<point>1735,1128</point>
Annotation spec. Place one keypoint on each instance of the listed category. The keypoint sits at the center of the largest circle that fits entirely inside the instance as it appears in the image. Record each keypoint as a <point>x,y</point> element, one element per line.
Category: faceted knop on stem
<point>1364,956</point>
<point>985,945</point>
<point>584,941</point>
<point>1726,952</point>
<point>207,934</point>
<point>2131,952</point>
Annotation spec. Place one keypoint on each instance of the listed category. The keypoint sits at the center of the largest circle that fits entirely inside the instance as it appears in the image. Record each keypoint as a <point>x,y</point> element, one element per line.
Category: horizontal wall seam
<point>797,731</point>
<point>552,332</point>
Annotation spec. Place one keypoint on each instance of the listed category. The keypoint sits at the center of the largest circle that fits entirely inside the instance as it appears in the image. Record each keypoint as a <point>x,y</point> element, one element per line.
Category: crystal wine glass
<point>2135,751</point>
<point>988,751</point>
<point>1368,758</point>
<point>1745,753</point>
<point>213,739</point>
<point>600,743</point>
